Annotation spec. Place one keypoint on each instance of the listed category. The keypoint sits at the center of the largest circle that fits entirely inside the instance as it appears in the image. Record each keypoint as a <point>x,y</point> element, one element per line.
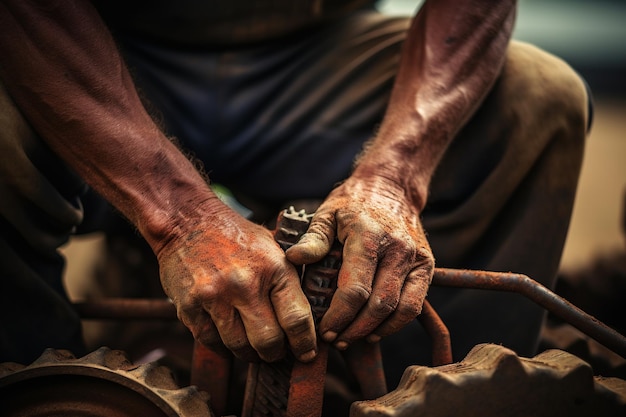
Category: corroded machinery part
<point>103,383</point>
<point>494,381</point>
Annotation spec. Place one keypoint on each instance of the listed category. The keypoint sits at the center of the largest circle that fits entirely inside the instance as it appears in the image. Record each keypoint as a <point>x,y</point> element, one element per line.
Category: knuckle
<point>408,311</point>
<point>400,247</point>
<point>321,223</point>
<point>376,235</point>
<point>355,294</point>
<point>238,345</point>
<point>382,307</point>
<point>425,256</point>
<point>240,282</point>
<point>270,347</point>
<point>423,264</point>
<point>424,273</point>
<point>297,323</point>
<point>204,294</point>
<point>270,342</point>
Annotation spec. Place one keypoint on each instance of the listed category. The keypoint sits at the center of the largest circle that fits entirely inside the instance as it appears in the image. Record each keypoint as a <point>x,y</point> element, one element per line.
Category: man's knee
<point>548,88</point>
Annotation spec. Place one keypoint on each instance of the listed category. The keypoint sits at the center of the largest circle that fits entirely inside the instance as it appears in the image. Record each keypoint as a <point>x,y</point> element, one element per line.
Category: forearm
<point>452,56</point>
<point>62,67</point>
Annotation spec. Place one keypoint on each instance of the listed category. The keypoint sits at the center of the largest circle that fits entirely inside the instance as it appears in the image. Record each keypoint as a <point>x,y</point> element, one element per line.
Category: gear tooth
<point>116,359</point>
<point>112,359</point>
<point>156,376</point>
<point>509,363</point>
<point>495,380</point>
<point>190,401</point>
<point>95,357</point>
<point>54,355</point>
<point>10,367</point>
<point>157,380</point>
<point>570,369</point>
<point>486,356</point>
<point>140,371</point>
<point>555,357</point>
<point>616,385</point>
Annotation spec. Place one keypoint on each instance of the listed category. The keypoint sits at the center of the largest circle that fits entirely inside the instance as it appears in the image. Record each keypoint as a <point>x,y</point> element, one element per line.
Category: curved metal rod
<point>439,335</point>
<point>124,308</point>
<point>536,292</point>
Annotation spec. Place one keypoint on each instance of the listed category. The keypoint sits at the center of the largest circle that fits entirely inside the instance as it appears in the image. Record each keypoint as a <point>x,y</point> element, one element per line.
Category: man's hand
<point>231,283</point>
<point>387,263</point>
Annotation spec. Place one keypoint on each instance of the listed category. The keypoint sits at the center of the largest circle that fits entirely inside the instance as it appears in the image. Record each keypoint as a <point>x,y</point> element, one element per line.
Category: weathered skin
<point>227,276</point>
<point>451,58</point>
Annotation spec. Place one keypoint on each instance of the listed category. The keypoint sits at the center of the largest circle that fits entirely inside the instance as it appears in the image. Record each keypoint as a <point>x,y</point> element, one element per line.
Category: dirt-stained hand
<point>231,283</point>
<point>387,262</point>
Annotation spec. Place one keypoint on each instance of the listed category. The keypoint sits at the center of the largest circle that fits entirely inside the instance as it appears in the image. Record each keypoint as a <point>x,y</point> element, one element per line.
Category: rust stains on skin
<point>233,284</point>
<point>387,263</point>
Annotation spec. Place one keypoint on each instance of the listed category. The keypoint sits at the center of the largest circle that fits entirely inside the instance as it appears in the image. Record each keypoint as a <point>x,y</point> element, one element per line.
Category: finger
<point>202,328</point>
<point>354,285</point>
<point>263,331</point>
<point>316,242</point>
<point>410,303</point>
<point>294,315</point>
<point>233,333</point>
<point>388,283</point>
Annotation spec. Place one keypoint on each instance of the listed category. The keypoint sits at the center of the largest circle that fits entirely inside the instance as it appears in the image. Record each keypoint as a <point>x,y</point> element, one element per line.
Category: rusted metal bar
<point>536,292</point>
<point>306,386</point>
<point>267,388</point>
<point>365,362</point>
<point>163,309</point>
<point>289,387</point>
<point>439,335</point>
<point>210,372</point>
<point>126,309</point>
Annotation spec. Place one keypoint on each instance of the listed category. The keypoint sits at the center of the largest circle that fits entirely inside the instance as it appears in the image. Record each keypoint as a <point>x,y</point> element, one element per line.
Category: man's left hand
<point>387,262</point>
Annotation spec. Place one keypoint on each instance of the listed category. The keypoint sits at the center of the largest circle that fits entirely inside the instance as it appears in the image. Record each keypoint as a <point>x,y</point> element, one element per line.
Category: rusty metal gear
<point>493,381</point>
<point>103,383</point>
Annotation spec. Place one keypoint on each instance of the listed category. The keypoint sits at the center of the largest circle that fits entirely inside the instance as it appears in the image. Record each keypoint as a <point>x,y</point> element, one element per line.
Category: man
<point>478,141</point>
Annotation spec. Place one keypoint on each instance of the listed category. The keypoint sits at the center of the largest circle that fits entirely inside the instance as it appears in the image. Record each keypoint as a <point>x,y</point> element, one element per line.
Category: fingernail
<point>329,336</point>
<point>341,345</point>
<point>309,356</point>
<point>373,338</point>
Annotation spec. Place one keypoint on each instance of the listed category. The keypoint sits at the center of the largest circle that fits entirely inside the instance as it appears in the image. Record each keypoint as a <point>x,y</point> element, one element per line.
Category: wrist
<point>398,179</point>
<point>168,221</point>
<point>399,157</point>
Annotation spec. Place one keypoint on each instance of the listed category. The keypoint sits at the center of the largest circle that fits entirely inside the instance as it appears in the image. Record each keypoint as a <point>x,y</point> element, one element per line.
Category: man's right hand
<point>227,277</point>
<point>232,284</point>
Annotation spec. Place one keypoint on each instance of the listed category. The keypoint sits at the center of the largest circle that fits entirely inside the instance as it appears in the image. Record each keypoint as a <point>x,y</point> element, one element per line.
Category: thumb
<point>313,245</point>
